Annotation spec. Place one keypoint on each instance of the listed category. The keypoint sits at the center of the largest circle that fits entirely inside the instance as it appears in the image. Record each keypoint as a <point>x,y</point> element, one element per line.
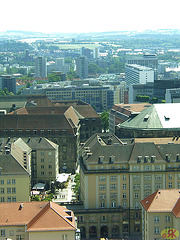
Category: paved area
<point>66,195</point>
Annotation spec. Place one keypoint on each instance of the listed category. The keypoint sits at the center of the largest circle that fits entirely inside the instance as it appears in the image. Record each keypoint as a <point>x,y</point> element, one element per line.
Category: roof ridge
<point>35,218</point>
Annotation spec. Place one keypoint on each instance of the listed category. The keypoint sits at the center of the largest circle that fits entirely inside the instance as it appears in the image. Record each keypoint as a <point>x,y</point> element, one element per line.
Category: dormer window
<point>139,159</point>
<point>146,158</point>
<point>153,158</point>
<point>167,157</point>
<point>111,159</point>
<point>101,159</point>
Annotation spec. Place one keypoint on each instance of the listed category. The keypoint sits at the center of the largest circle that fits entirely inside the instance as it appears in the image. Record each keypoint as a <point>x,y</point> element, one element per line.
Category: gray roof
<point>157,116</point>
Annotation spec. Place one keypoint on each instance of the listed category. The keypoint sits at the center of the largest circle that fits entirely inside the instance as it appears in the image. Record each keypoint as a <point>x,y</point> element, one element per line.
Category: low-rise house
<point>36,221</point>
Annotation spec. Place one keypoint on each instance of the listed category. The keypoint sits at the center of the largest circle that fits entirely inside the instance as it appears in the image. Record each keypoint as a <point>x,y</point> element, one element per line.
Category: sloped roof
<point>163,200</point>
<point>38,216</point>
<point>157,116</point>
<point>10,165</point>
<point>176,209</point>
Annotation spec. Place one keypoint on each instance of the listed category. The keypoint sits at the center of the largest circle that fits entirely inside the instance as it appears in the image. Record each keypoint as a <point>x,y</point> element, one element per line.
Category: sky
<point>82,16</point>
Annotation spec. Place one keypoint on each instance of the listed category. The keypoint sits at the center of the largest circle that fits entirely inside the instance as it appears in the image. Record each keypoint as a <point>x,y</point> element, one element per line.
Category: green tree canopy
<point>105,120</point>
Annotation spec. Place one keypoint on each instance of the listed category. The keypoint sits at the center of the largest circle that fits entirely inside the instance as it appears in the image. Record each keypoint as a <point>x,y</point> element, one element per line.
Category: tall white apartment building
<point>96,52</point>
<point>135,74</point>
<point>40,67</point>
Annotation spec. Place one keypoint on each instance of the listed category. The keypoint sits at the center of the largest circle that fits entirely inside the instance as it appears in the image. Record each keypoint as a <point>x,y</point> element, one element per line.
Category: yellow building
<point>36,221</point>
<point>14,179</point>
<point>115,175</point>
<point>161,215</point>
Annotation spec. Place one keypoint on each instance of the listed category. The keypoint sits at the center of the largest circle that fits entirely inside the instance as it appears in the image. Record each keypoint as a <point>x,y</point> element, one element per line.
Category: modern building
<point>161,215</point>
<point>100,97</point>
<point>137,74</point>
<point>82,67</point>
<point>121,112</point>
<point>158,120</point>
<point>36,221</point>
<point>142,90</point>
<point>40,67</point>
<point>14,177</point>
<point>148,60</point>
<point>96,52</point>
<point>9,82</point>
<point>172,95</point>
<point>115,175</point>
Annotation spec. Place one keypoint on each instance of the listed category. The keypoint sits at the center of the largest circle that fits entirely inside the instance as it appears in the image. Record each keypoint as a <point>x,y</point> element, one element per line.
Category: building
<point>115,175</point>
<point>9,82</point>
<point>137,74</point>
<point>96,52</point>
<point>142,90</point>
<point>40,67</point>
<point>44,162</point>
<point>14,177</point>
<point>100,97</point>
<point>66,125</point>
<point>121,112</point>
<point>158,120</point>
<point>36,221</point>
<point>82,67</point>
<point>172,95</point>
<point>161,215</point>
<point>148,60</point>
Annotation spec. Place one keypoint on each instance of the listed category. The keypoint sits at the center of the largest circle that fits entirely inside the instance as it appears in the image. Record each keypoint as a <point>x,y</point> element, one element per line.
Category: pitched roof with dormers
<point>37,216</point>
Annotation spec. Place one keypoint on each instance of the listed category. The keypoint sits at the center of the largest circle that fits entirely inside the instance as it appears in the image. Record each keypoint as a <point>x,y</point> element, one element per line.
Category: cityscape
<point>90,135</point>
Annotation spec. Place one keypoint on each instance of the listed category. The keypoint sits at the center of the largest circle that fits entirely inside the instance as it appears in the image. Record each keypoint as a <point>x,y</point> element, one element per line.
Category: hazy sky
<point>88,16</point>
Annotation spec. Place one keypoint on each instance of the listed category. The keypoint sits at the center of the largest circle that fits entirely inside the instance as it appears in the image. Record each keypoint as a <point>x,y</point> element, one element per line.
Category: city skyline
<point>96,16</point>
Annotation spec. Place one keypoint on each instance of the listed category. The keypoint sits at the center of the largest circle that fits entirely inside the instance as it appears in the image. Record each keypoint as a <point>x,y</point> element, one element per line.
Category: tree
<point>105,120</point>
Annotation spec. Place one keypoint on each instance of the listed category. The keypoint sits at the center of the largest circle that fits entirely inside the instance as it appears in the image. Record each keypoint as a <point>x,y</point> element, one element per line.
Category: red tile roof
<point>37,216</point>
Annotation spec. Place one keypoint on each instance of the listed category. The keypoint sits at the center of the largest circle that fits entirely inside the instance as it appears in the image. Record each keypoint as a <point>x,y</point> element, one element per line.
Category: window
<point>42,166</point>
<point>13,190</point>
<point>156,230</point>
<point>50,166</point>
<point>102,178</point>
<point>170,185</point>
<point>2,182</point>
<point>147,186</point>
<point>158,177</point>
<point>136,186</point>
<point>14,199</point>
<point>8,181</point>
<point>113,186</point>
<point>136,177</point>
<point>147,168</point>
<point>113,204</point>
<point>42,160</point>
<point>147,177</point>
<point>136,205</point>
<point>64,148</point>
<point>124,195</point>
<point>8,190</point>
<point>102,196</point>
<point>113,178</point>
<point>2,190</point>
<point>80,219</point>
<point>136,195</point>
<point>102,204</point>
<point>13,181</point>
<point>124,178</point>
<point>168,218</point>
<point>3,233</point>
<point>19,237</point>
<point>157,167</point>
<point>102,187</point>
<point>158,186</point>
<point>2,199</point>
<point>113,195</point>
<point>170,176</point>
<point>9,199</point>
<point>156,219</point>
<point>103,218</point>
<point>42,173</point>
<point>124,204</point>
<point>124,186</point>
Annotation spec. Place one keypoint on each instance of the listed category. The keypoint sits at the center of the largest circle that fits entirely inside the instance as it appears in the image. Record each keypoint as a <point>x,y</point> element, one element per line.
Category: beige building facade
<point>116,175</point>
<point>161,215</point>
